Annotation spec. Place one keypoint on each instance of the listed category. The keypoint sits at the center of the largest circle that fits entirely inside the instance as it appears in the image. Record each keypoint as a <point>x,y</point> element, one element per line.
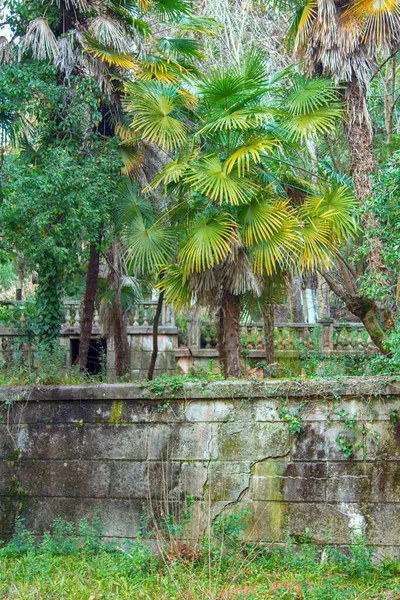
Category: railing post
<point>194,331</point>
<point>327,335</point>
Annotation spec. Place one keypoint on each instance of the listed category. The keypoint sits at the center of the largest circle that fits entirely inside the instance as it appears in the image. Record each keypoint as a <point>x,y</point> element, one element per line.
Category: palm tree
<point>108,41</point>
<point>233,223</point>
<point>341,39</point>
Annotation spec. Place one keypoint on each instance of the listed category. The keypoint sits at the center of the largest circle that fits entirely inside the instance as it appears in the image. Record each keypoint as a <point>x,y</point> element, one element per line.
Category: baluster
<point>77,317</point>
<point>145,321</point>
<point>136,317</point>
<point>96,318</point>
<point>260,330</point>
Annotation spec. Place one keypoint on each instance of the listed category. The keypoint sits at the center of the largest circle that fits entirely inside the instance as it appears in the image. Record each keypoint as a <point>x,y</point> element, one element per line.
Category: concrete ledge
<point>372,387</point>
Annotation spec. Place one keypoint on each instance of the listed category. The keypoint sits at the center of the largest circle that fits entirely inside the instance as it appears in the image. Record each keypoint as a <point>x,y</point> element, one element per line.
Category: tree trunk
<point>359,135</point>
<point>295,299</point>
<point>88,305</point>
<point>324,308</point>
<point>268,314</point>
<point>364,309</point>
<point>121,346</point>
<point>150,372</point>
<point>229,343</point>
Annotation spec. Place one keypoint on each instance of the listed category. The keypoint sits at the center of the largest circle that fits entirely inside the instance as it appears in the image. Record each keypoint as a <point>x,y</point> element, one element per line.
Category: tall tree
<point>341,39</point>
<point>233,222</point>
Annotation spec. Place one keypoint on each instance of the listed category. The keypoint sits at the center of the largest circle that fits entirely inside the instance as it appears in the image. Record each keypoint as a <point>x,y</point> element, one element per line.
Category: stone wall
<point>235,446</point>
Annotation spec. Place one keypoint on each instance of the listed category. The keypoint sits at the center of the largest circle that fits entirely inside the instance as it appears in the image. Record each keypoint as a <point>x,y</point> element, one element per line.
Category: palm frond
<point>109,56</point>
<point>110,34</point>
<point>188,47</point>
<point>312,107</point>
<point>209,241</point>
<point>210,178</point>
<point>315,249</point>
<point>242,119</point>
<point>379,20</point>
<point>148,247</point>
<point>173,171</point>
<point>337,206</point>
<point>261,220</point>
<point>198,24</point>
<point>250,150</point>
<point>172,9</point>
<point>152,109</point>
<point>175,285</point>
<point>40,40</point>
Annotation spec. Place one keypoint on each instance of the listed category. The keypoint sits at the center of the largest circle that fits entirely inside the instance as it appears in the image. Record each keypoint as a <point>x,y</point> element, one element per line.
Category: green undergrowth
<point>73,563</point>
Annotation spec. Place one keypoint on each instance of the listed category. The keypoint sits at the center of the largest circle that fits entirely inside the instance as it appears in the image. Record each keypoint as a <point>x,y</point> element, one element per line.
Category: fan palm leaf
<point>250,150</point>
<point>148,247</point>
<point>261,220</point>
<point>108,55</point>
<point>210,178</point>
<point>209,241</point>
<point>175,284</point>
<point>40,40</point>
<point>153,117</point>
<point>337,206</point>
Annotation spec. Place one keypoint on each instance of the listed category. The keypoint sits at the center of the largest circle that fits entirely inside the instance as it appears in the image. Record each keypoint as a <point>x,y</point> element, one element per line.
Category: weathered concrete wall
<point>67,451</point>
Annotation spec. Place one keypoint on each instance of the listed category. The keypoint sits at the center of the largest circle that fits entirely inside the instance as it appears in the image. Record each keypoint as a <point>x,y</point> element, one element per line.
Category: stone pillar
<point>327,335</point>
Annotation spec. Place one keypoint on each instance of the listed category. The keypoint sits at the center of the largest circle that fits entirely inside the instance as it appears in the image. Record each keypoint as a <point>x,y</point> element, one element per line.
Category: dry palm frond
<point>238,273</point>
<point>69,54</point>
<point>379,21</point>
<point>6,51</point>
<point>40,39</point>
<point>110,33</point>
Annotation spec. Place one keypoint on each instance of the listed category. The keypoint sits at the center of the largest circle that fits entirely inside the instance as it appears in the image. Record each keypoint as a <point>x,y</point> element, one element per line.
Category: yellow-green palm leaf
<point>210,178</point>
<point>250,151</point>
<point>379,20</point>
<point>261,220</point>
<point>148,247</point>
<point>209,242</point>
<point>336,206</point>
<point>152,118</point>
<point>175,285</point>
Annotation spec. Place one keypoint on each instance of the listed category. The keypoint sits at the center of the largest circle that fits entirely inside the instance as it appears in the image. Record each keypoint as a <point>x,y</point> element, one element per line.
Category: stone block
<point>310,443</point>
<point>193,478</point>
<point>383,524</point>
<point>121,518</point>
<point>182,441</point>
<point>211,411</point>
<point>228,481</point>
<point>292,482</point>
<point>349,482</point>
<point>258,440</point>
<point>144,480</point>
<point>383,441</point>
<point>123,442</point>
<point>385,485</point>
<point>58,441</point>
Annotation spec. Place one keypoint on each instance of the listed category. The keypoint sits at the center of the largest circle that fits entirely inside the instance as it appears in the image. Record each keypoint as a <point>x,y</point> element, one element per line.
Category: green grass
<point>73,564</point>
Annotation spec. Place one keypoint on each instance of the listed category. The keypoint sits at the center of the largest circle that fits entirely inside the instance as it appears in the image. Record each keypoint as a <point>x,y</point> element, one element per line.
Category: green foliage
<point>384,205</point>
<point>292,418</point>
<point>72,563</point>
<point>60,190</point>
<point>22,541</point>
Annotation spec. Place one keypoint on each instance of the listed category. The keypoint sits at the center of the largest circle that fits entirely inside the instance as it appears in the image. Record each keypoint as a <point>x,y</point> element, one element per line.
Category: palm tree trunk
<point>359,135</point>
<point>268,314</point>
<point>296,299</point>
<point>150,373</point>
<point>121,345</point>
<point>88,305</point>
<point>229,344</point>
